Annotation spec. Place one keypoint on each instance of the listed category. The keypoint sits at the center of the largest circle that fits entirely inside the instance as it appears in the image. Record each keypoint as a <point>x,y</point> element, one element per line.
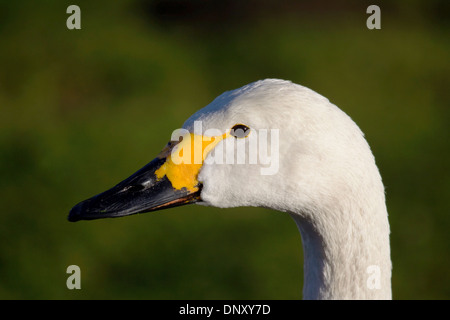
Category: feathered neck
<point>346,252</point>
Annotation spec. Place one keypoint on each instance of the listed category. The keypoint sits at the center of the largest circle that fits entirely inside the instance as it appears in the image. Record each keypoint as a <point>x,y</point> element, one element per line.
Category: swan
<point>325,178</point>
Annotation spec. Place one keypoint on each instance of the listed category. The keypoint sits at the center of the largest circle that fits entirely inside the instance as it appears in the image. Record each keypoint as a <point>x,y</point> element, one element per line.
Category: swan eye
<point>240,131</point>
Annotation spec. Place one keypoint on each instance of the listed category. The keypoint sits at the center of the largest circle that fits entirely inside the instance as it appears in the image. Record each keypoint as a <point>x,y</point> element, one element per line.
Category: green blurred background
<point>83,109</point>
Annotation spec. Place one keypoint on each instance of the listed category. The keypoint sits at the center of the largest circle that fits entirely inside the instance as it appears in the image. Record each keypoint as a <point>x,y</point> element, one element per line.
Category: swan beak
<point>142,192</point>
<point>170,180</point>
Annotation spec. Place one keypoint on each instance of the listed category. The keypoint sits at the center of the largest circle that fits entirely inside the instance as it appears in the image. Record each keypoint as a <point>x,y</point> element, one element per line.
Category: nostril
<point>133,188</point>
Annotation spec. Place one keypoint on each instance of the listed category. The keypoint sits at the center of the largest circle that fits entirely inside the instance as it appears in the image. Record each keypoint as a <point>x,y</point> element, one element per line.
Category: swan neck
<point>346,259</point>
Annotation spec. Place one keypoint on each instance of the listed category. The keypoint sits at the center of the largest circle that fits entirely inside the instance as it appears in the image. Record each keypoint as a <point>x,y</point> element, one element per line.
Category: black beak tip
<point>75,213</point>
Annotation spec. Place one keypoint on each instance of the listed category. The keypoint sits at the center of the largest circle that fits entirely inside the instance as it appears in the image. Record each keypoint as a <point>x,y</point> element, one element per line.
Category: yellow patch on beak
<point>186,159</point>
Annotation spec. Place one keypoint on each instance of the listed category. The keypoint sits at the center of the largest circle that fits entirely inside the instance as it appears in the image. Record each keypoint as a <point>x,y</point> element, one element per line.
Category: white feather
<point>327,181</point>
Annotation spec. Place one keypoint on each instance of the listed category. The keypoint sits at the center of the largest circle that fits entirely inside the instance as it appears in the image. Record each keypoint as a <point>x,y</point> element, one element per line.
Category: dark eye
<point>240,131</point>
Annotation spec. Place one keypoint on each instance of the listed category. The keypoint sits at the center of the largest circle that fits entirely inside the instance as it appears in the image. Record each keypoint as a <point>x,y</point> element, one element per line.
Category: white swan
<point>326,179</point>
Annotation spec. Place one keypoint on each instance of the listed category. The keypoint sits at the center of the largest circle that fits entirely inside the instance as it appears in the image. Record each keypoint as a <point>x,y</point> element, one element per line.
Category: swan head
<point>271,143</point>
<point>274,144</point>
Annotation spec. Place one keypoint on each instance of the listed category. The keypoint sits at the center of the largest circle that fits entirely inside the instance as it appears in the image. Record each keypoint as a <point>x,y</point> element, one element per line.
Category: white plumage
<point>325,177</point>
<point>327,181</point>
